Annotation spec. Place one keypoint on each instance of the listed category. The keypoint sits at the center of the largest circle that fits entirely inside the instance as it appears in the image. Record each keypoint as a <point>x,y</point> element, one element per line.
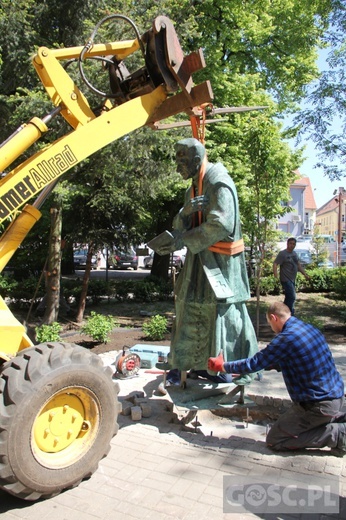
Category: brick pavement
<point>159,468</point>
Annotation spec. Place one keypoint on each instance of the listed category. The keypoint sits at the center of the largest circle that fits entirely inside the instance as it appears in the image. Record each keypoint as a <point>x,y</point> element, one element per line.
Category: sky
<point>322,186</point>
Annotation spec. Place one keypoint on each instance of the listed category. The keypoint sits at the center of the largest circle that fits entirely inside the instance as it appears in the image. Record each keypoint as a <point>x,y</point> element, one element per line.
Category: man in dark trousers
<point>315,386</point>
<point>289,266</point>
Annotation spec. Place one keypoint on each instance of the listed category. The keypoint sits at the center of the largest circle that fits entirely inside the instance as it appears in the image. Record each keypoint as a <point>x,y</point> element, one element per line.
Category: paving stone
<point>155,470</point>
<point>136,413</point>
<point>146,409</point>
<point>126,408</point>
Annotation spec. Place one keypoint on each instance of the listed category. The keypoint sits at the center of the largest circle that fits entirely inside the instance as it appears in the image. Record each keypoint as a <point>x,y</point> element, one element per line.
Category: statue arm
<point>182,223</point>
<point>220,221</point>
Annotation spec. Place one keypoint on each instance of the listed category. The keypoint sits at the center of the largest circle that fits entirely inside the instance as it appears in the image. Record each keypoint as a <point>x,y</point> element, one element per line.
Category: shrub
<point>25,290</point>
<point>98,289</point>
<point>268,285</point>
<point>339,282</point>
<point>7,285</point>
<point>145,291</point>
<point>46,333</point>
<point>320,281</point>
<point>71,288</point>
<point>124,289</point>
<point>98,326</point>
<point>156,328</point>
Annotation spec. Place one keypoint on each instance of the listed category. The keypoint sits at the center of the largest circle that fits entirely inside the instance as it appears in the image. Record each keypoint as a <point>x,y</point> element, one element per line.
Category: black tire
<point>58,414</point>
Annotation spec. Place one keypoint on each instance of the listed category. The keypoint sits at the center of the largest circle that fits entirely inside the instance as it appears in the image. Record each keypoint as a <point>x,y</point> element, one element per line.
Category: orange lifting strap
<point>198,125</point>
<point>198,132</point>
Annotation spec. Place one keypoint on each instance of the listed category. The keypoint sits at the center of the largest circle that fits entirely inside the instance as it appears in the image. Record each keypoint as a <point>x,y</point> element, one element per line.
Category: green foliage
<point>98,289</point>
<point>145,291</point>
<point>98,326</point>
<point>72,288</point>
<point>339,282</point>
<point>268,285</point>
<point>26,289</point>
<point>126,191</point>
<point>327,100</point>
<point>7,285</point>
<point>152,289</point>
<point>321,280</point>
<point>124,289</point>
<point>320,249</point>
<point>156,328</point>
<point>45,333</point>
<point>149,289</point>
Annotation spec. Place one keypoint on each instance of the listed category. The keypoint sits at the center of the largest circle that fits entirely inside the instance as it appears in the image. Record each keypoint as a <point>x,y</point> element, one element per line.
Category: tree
<point>24,26</point>
<point>256,51</point>
<point>324,121</point>
<point>320,249</point>
<point>270,175</point>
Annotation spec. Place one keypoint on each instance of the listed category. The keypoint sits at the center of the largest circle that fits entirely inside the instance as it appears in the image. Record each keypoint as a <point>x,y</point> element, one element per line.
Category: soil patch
<point>130,318</point>
<point>120,339</point>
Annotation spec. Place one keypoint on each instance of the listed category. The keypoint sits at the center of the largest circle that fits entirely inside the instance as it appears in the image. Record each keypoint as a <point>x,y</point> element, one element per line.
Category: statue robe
<point>207,322</point>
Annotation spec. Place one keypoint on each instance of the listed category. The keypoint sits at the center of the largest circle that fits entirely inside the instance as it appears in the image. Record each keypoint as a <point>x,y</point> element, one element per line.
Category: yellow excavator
<point>58,403</point>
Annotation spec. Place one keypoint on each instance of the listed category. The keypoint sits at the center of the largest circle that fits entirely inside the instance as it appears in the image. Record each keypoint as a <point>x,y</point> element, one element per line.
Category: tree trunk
<point>161,263</point>
<point>85,284</point>
<point>53,268</point>
<point>160,266</point>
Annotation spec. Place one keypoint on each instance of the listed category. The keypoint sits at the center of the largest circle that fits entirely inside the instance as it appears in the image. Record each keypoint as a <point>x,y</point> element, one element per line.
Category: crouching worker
<point>300,351</point>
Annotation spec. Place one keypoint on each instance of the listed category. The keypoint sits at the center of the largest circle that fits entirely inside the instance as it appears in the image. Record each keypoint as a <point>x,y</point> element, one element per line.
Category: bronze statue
<point>211,290</point>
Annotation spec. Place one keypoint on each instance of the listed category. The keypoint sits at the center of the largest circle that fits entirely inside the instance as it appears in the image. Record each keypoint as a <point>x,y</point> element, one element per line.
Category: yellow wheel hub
<point>59,423</point>
<point>65,427</point>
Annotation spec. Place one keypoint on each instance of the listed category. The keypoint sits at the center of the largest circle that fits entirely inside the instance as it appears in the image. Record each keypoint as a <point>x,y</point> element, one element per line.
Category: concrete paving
<point>172,465</point>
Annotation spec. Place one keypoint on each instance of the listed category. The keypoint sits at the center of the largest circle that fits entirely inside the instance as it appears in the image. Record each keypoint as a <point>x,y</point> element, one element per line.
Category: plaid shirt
<point>305,359</point>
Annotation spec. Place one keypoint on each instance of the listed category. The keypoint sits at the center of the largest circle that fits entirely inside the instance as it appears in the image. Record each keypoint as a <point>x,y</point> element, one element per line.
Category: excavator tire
<point>58,414</point>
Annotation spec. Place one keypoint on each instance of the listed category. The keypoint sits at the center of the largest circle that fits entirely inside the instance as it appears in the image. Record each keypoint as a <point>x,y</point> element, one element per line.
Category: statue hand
<point>195,204</point>
<point>176,244</point>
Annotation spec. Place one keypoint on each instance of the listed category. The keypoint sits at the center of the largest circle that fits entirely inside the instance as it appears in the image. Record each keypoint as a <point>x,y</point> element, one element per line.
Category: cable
<point>90,42</point>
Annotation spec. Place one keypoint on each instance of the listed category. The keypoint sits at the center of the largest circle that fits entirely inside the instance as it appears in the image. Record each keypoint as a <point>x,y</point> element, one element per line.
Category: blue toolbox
<point>150,354</point>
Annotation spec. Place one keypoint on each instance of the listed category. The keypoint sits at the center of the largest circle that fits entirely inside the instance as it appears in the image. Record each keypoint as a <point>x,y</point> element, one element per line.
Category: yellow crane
<point>58,403</point>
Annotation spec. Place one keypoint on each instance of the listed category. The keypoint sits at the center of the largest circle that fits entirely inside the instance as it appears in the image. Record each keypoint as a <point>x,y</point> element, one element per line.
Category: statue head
<point>189,157</point>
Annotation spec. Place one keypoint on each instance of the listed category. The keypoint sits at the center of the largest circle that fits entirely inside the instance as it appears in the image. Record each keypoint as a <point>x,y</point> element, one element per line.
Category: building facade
<point>330,218</point>
<point>301,220</point>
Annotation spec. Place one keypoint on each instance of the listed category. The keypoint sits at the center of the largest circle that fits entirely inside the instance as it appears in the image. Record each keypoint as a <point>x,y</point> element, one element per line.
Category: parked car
<point>178,259</point>
<point>327,264</point>
<point>304,256</point>
<point>304,238</point>
<point>148,261</point>
<point>80,258</point>
<point>123,259</point>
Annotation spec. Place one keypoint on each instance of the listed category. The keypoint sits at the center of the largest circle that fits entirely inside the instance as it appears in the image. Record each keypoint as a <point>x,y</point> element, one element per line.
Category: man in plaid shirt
<point>315,386</point>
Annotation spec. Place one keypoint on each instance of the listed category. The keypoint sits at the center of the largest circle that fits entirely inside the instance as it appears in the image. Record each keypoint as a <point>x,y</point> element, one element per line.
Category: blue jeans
<point>290,295</point>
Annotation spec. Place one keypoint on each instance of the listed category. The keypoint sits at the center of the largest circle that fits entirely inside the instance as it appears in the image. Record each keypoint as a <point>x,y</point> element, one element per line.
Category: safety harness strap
<point>223,248</point>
